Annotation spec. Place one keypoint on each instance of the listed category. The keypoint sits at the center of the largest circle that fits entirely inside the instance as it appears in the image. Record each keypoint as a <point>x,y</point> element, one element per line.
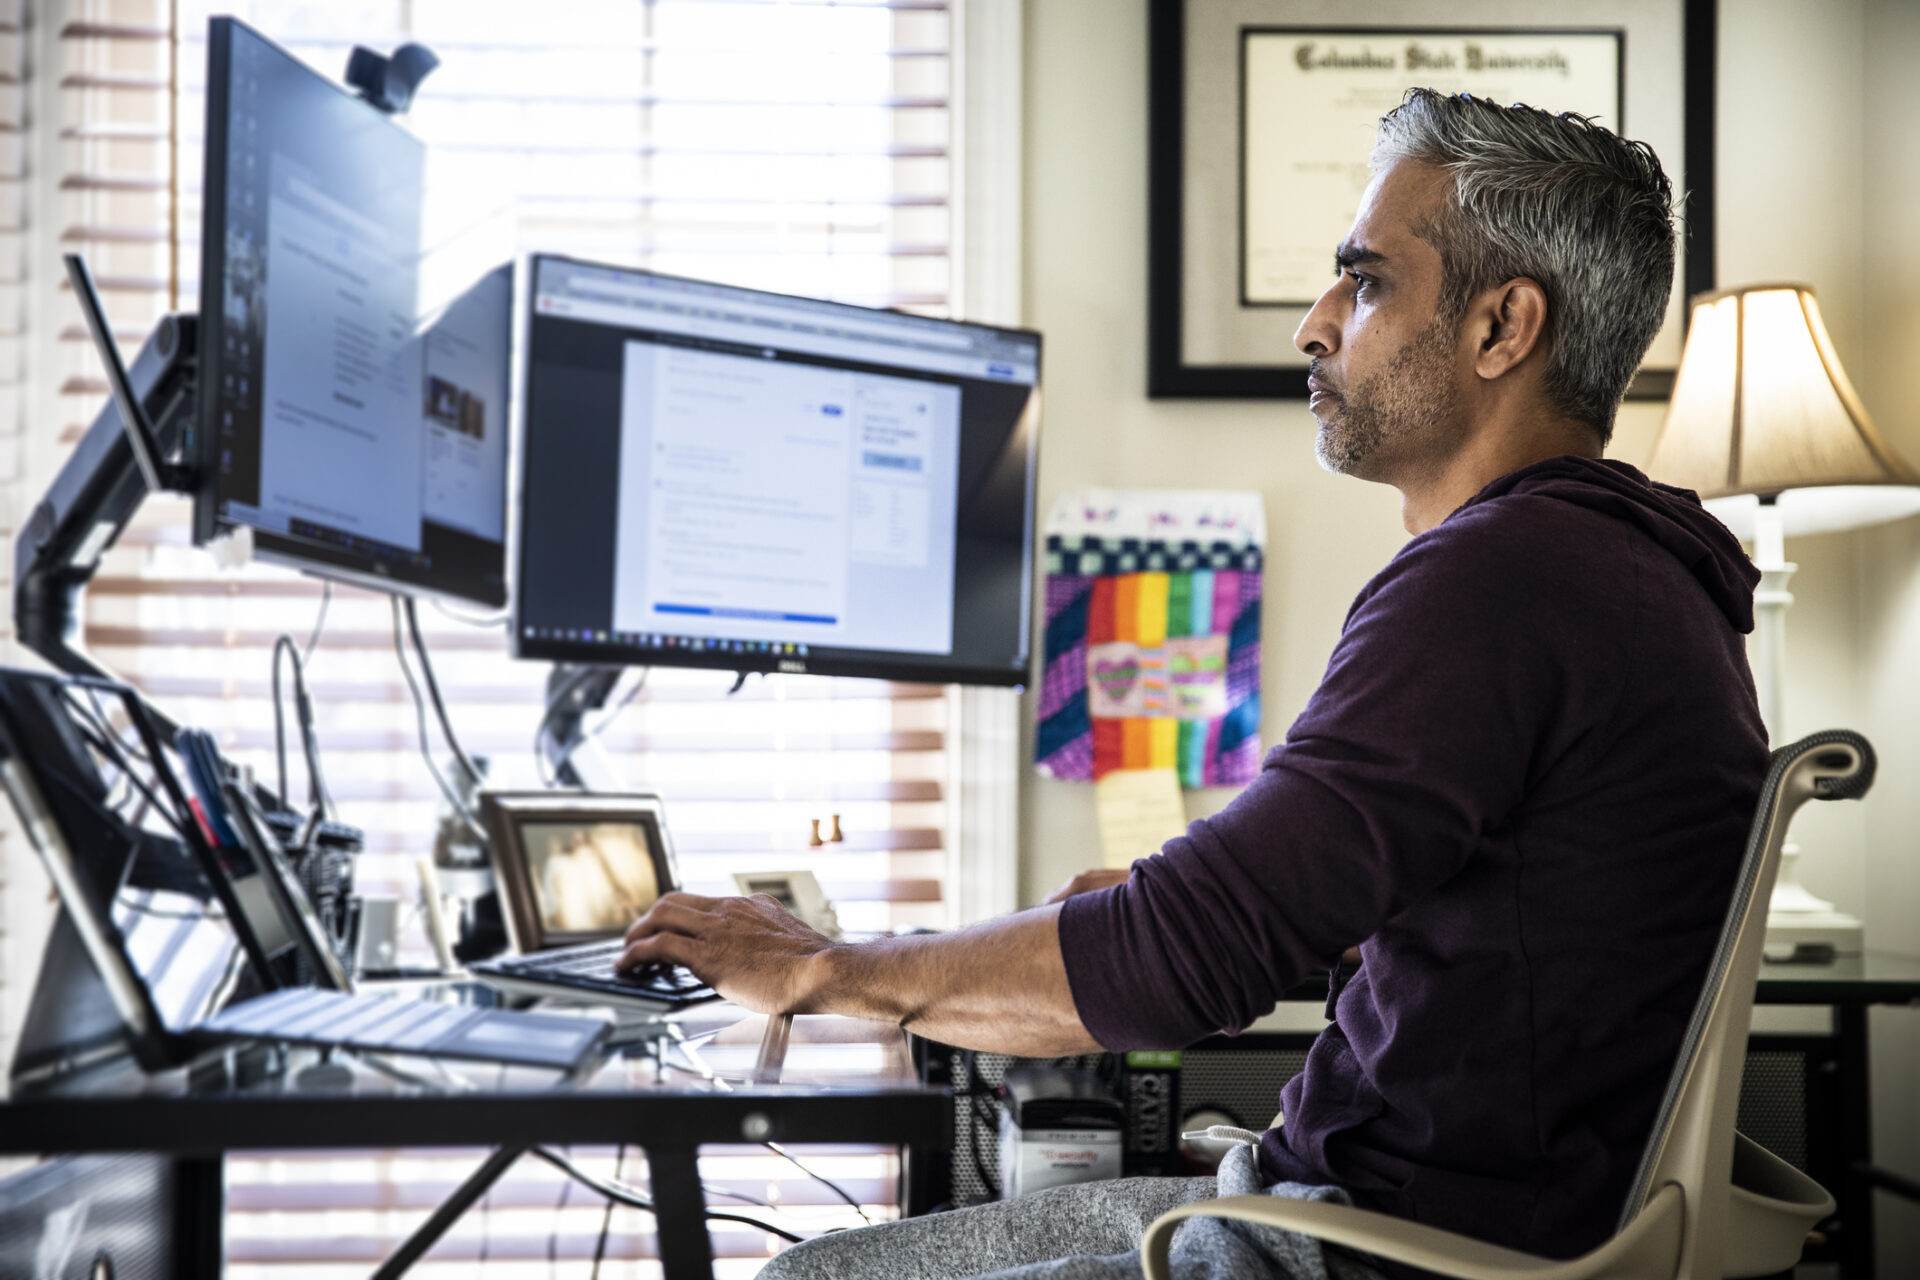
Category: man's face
<point>1386,368</point>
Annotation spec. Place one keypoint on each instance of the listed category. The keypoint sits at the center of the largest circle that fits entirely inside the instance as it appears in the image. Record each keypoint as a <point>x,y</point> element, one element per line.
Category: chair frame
<point>1706,1201</point>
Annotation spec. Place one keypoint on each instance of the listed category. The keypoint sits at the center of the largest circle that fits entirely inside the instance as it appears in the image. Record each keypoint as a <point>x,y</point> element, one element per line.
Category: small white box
<point>1033,1161</point>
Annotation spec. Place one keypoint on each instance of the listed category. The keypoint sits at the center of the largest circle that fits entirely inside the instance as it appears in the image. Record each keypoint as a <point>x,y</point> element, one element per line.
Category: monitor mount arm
<point>577,760</point>
<point>131,449</point>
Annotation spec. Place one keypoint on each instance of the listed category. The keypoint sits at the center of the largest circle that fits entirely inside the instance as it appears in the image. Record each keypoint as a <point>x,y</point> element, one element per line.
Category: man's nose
<point>1319,333</point>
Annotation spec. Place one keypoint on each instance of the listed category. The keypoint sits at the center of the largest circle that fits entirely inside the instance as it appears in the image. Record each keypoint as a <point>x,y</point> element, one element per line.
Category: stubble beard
<point>1405,408</point>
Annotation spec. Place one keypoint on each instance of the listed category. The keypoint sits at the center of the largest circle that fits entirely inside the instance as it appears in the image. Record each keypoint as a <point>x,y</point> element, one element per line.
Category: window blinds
<point>797,146</point>
<point>16,889</point>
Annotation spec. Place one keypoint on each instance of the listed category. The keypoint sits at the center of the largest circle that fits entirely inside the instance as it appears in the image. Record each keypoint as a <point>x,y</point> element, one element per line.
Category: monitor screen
<point>720,477</point>
<point>355,436</point>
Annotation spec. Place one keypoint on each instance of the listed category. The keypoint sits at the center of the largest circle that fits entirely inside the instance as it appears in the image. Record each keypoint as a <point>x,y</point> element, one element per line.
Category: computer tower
<point>1238,1078</point>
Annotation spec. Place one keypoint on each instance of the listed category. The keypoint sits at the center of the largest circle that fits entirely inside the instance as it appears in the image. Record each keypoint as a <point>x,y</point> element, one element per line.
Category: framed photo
<point>573,867</point>
<point>1262,120</point>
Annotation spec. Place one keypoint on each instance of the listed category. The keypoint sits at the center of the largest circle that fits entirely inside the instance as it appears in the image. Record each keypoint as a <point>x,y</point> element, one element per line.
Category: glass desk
<point>714,1076</point>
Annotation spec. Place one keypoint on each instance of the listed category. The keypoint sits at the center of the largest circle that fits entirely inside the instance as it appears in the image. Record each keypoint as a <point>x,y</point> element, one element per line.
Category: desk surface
<point>1874,978</point>
<point>689,1082</point>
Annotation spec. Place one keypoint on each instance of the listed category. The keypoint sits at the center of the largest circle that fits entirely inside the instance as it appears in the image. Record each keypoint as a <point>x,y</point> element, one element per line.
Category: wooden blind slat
<point>508,1193</point>
<point>114,83</point>
<point>815,689</point>
<point>642,743</point>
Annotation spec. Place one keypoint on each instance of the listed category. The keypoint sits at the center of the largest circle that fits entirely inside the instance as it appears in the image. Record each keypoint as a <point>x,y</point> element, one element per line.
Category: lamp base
<point>1812,935</point>
<point>1803,926</point>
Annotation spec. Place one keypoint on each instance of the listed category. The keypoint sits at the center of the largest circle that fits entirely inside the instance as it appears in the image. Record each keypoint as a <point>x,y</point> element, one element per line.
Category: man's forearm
<point>999,986</point>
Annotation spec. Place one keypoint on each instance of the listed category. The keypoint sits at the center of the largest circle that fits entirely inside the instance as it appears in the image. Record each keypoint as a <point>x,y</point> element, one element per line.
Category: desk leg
<point>478,1183</point>
<point>680,1213</point>
<point>1856,1123</point>
<point>199,1215</point>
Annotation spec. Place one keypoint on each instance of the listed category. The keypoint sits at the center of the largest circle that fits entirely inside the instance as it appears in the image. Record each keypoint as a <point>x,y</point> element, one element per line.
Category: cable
<point>712,1190</point>
<point>318,798</point>
<point>834,1187</point>
<point>486,1225</point>
<point>553,1236</point>
<point>613,712</point>
<point>160,805</point>
<point>433,691</point>
<point>618,1192</point>
<point>313,641</point>
<point>280,723</point>
<point>420,717</point>
<point>606,1219</point>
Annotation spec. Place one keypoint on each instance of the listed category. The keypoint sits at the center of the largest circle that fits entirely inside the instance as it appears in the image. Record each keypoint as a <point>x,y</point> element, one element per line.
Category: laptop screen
<point>590,877</point>
<point>576,868</point>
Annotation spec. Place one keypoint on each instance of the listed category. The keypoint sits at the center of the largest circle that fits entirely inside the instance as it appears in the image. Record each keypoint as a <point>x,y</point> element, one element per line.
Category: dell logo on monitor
<point>797,668</point>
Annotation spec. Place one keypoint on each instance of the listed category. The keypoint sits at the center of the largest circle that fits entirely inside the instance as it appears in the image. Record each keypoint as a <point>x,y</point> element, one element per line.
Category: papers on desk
<point>1140,810</point>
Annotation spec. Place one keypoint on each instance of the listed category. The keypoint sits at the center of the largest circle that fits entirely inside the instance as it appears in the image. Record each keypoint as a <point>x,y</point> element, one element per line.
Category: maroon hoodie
<point>1523,788</point>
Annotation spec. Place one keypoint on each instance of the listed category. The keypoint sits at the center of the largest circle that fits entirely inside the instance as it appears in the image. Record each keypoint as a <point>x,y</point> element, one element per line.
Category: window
<point>798,146</point>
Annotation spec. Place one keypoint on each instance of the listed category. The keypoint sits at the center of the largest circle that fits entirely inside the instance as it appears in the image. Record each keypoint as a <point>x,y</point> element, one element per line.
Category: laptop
<point>189,909</point>
<point>573,871</point>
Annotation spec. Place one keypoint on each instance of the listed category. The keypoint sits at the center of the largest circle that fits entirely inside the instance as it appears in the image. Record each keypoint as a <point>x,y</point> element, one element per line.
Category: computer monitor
<point>355,437</point>
<point>719,477</point>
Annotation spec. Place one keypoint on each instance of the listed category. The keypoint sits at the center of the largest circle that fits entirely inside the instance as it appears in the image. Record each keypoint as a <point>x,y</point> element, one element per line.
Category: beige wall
<point>1819,180</point>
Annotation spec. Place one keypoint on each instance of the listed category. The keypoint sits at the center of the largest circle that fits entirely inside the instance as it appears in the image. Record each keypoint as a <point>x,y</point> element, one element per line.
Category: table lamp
<point>1765,426</point>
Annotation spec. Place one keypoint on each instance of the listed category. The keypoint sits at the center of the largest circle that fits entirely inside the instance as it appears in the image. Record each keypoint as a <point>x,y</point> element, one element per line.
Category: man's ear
<point>1510,323</point>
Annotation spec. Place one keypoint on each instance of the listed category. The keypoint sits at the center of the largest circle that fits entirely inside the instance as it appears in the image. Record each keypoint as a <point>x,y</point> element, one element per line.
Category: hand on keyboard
<point>752,950</point>
<point>645,975</point>
<point>656,977</point>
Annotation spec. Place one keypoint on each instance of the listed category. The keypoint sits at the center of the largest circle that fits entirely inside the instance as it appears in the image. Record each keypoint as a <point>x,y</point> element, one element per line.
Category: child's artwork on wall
<point>1152,640</point>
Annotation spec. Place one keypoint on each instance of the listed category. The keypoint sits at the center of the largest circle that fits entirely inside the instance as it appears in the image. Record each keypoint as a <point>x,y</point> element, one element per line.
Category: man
<point>1522,787</point>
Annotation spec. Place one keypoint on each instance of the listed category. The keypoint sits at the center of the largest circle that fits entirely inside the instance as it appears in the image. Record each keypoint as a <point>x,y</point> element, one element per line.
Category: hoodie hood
<point>1672,517</point>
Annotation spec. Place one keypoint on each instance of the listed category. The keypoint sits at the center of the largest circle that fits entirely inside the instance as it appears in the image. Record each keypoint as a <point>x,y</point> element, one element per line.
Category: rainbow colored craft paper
<point>1152,642</point>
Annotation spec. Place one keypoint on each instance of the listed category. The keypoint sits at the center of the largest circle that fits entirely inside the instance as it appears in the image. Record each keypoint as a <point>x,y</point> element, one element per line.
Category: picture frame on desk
<point>1260,122</point>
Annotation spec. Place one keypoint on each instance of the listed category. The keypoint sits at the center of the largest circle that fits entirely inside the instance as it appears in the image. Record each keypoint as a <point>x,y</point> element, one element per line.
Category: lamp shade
<point>1761,409</point>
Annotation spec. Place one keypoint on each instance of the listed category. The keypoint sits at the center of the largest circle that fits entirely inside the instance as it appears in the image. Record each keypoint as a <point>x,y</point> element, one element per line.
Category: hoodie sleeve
<point>1432,716</point>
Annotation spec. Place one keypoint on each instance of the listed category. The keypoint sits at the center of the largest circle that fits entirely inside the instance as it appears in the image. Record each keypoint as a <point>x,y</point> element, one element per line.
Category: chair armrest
<point>1648,1248</point>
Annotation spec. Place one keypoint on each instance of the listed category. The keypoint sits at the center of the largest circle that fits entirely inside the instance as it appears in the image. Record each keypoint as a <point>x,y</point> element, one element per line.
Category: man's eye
<point>1360,281</point>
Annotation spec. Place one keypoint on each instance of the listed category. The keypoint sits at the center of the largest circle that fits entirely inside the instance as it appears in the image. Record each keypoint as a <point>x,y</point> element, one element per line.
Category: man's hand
<point>1000,985</point>
<point>1088,881</point>
<point>753,951</point>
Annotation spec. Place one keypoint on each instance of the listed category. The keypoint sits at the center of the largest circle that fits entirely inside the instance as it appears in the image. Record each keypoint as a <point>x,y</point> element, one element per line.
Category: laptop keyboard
<point>385,1024</point>
<point>589,967</point>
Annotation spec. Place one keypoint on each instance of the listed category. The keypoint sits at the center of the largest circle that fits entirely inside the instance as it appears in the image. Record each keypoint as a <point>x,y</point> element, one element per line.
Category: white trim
<point>984,868</point>
<point>988,78</point>
<point>989,150</point>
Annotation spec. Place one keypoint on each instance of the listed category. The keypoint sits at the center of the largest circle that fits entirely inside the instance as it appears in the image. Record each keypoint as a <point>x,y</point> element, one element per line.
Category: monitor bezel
<point>354,569</point>
<point>507,814</point>
<point>876,664</point>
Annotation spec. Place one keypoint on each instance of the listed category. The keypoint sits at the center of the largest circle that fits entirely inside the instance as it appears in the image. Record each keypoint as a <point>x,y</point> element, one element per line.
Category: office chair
<point>1707,1201</point>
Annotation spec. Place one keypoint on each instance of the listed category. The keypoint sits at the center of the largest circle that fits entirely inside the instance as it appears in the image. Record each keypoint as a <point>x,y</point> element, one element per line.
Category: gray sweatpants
<point>1087,1231</point>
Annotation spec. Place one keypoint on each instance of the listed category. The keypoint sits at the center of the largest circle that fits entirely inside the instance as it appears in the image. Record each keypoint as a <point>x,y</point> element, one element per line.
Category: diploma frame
<point>1194,234</point>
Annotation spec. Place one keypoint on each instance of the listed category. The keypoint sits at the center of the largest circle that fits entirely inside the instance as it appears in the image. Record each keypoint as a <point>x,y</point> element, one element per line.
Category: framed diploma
<point>1262,121</point>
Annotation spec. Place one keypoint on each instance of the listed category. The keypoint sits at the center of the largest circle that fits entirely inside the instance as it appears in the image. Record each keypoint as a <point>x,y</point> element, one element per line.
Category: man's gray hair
<point>1581,211</point>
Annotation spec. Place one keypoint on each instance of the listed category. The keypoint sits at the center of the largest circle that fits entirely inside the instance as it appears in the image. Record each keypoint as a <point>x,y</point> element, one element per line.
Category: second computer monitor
<point>355,425</point>
<point>720,477</point>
